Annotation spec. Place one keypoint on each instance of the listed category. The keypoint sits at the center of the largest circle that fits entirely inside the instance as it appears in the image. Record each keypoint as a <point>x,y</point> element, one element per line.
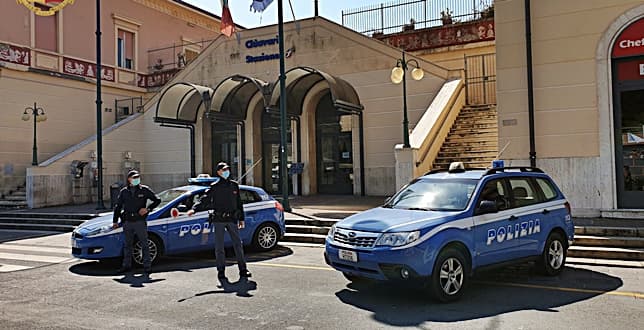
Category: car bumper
<point>383,263</point>
<point>95,248</point>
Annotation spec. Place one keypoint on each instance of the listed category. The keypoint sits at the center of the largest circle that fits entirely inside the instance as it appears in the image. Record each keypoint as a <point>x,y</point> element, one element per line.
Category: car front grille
<point>355,238</point>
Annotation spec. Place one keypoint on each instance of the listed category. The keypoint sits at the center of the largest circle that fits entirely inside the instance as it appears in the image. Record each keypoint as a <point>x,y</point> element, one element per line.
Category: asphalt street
<point>292,288</point>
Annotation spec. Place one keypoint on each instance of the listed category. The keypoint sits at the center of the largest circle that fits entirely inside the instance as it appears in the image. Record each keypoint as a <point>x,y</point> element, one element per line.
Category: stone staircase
<point>473,139</point>
<point>59,222</point>
<point>14,199</point>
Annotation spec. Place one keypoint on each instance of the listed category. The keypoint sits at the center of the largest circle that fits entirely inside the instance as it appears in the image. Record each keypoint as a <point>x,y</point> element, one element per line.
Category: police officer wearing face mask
<point>131,209</point>
<point>227,214</point>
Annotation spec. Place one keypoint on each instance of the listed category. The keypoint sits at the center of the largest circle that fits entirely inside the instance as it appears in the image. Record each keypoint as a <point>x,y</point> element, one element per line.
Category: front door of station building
<point>628,115</point>
<point>334,154</point>
<point>225,146</point>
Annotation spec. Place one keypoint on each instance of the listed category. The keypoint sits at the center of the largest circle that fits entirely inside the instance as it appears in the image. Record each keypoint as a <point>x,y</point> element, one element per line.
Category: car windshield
<point>168,196</point>
<point>434,195</point>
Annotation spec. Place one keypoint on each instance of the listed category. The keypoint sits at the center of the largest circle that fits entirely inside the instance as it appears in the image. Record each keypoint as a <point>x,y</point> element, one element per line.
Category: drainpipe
<point>528,48</point>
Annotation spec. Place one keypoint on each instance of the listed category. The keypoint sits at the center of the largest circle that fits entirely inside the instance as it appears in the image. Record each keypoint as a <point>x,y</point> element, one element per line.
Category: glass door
<point>629,145</point>
<point>334,149</point>
<point>271,154</point>
<point>225,146</point>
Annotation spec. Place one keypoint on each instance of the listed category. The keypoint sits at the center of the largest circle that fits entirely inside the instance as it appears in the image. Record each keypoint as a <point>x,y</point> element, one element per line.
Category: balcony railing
<point>400,16</point>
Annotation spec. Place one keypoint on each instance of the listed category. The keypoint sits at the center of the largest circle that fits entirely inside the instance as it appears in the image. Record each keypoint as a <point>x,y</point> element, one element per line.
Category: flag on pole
<point>227,25</point>
<point>260,5</point>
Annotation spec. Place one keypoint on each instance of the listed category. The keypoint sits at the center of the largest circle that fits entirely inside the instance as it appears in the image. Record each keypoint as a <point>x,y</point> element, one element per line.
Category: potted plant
<point>446,17</point>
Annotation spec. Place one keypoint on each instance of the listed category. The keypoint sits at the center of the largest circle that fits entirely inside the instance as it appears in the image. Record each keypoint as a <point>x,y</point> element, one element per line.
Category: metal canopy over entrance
<point>233,95</point>
<point>180,103</point>
<point>178,107</point>
<point>299,82</point>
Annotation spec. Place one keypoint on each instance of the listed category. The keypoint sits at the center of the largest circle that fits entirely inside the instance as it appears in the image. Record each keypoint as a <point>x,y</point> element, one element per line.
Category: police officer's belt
<point>222,216</point>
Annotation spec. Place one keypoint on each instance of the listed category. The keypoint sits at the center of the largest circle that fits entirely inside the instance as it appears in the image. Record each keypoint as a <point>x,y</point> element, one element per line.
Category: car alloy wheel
<point>553,259</point>
<point>266,237</point>
<point>137,254</point>
<point>556,254</point>
<point>451,276</point>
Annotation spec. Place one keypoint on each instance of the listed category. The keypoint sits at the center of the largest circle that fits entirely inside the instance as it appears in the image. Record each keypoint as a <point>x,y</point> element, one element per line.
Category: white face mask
<point>225,174</point>
<point>136,181</point>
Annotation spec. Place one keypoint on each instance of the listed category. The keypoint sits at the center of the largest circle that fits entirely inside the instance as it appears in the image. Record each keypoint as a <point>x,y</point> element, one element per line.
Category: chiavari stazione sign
<point>47,8</point>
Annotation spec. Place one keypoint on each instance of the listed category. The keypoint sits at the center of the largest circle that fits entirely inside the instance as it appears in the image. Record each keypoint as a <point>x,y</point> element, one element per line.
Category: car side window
<point>249,196</point>
<point>495,191</point>
<point>546,187</point>
<point>522,192</point>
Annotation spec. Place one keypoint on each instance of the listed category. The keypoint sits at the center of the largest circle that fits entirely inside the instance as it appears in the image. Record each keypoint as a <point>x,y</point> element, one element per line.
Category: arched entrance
<point>628,114</point>
<point>228,113</point>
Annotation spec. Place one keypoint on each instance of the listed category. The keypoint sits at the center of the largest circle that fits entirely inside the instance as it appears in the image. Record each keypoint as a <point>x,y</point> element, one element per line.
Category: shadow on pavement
<point>489,294</point>
<point>137,281</point>
<point>241,288</point>
<point>8,235</point>
<point>179,263</point>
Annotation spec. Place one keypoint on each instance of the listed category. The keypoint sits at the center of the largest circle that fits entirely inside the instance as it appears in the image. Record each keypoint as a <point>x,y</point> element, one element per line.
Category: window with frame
<point>546,187</point>
<point>495,191</point>
<point>522,192</point>
<point>248,196</point>
<point>46,30</point>
<point>125,49</point>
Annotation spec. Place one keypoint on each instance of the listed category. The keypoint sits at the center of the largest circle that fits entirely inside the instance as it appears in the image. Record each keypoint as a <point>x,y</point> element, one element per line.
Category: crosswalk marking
<point>5,268</point>
<point>33,257</point>
<point>33,248</point>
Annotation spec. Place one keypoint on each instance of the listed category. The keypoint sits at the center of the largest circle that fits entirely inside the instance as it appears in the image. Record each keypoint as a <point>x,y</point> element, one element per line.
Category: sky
<point>240,10</point>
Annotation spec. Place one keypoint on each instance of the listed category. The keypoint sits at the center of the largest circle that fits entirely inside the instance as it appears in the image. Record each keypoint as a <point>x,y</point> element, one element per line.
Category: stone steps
<point>597,252</point>
<point>60,222</point>
<point>609,241</point>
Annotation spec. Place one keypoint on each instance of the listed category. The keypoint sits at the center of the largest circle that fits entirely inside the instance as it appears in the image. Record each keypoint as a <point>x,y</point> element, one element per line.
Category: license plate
<point>348,255</point>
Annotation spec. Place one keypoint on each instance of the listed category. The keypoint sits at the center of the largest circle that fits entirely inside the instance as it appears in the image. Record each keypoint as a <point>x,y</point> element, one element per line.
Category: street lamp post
<point>99,104</point>
<point>282,82</point>
<point>39,116</point>
<point>398,75</point>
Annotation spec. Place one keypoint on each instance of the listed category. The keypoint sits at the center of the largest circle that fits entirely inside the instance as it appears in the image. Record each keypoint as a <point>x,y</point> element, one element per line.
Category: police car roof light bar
<point>447,170</point>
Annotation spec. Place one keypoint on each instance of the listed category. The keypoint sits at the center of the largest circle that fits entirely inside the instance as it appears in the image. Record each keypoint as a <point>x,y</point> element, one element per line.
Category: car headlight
<point>99,230</point>
<point>398,239</point>
<point>331,232</point>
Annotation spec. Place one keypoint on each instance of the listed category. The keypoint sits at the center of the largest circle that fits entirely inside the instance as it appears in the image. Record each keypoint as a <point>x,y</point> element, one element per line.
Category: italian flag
<point>227,25</point>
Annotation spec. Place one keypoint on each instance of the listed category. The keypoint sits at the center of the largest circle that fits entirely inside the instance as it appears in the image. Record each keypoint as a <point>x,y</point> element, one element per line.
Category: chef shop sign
<point>264,56</point>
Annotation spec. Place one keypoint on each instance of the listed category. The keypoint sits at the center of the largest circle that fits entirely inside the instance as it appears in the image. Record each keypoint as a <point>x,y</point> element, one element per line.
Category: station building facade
<point>50,61</point>
<point>588,91</point>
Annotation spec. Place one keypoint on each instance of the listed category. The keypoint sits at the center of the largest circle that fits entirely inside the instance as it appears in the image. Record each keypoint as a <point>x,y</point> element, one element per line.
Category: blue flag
<point>260,5</point>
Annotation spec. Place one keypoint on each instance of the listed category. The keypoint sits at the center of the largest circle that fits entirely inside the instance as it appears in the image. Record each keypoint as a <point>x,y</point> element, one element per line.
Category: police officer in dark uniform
<point>131,209</point>
<point>227,214</point>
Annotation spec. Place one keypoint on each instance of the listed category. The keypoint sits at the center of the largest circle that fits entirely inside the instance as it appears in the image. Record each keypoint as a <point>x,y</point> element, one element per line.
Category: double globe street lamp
<point>398,75</point>
<point>39,116</point>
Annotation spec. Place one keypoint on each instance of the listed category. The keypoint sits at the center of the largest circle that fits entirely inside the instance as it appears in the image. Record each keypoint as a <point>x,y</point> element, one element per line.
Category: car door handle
<point>513,218</point>
<point>545,211</point>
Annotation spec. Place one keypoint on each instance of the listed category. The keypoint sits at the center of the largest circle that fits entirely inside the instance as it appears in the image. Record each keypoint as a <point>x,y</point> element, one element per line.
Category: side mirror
<point>182,208</point>
<point>487,207</point>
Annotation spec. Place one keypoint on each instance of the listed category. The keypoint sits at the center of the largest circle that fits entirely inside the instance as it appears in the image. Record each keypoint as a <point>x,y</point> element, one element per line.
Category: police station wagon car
<point>443,226</point>
<point>264,226</point>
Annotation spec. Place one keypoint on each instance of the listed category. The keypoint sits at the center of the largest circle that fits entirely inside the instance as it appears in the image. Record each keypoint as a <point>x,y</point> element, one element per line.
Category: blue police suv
<point>264,219</point>
<point>445,225</point>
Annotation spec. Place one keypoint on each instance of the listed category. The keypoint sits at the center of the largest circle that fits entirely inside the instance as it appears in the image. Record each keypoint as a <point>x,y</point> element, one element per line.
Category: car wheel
<point>553,257</point>
<point>450,275</point>
<point>266,237</point>
<point>155,250</point>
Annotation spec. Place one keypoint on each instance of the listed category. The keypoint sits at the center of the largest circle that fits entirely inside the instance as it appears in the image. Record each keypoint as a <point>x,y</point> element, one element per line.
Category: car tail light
<point>279,206</point>
<point>567,205</point>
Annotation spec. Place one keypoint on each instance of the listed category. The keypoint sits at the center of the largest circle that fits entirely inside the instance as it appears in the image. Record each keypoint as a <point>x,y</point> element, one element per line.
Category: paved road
<point>293,289</point>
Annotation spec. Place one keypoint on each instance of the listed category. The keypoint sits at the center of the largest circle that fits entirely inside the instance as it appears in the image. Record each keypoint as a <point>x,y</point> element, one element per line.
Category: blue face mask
<point>136,182</point>
<point>225,174</point>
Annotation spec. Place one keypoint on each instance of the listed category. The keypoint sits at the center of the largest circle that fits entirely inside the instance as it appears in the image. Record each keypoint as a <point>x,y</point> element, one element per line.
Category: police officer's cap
<point>222,166</point>
<point>133,174</point>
